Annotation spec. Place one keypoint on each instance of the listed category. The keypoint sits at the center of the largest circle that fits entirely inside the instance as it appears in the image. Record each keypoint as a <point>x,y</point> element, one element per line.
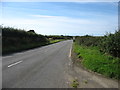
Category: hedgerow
<point>109,43</point>
<point>17,40</point>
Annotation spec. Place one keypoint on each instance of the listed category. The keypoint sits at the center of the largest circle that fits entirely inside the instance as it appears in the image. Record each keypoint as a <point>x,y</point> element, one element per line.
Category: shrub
<point>17,39</point>
<point>88,40</point>
<point>111,44</point>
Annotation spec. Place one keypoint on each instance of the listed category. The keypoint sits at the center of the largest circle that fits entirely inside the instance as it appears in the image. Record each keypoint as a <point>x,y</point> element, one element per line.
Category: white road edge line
<point>14,64</point>
<point>70,53</point>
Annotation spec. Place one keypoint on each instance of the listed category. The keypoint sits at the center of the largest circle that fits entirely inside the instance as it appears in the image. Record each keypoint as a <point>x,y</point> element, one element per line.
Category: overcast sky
<point>62,18</point>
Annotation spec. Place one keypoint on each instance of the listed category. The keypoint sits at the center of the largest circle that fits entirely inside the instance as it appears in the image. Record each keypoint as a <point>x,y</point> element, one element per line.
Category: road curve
<point>42,67</point>
<point>49,67</point>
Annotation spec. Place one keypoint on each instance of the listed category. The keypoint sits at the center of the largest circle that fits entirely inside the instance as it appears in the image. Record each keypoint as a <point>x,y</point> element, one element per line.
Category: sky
<point>61,18</point>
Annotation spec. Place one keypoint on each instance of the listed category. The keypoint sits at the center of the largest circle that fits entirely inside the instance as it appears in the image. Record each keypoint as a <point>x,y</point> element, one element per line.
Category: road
<point>48,67</point>
<point>38,68</point>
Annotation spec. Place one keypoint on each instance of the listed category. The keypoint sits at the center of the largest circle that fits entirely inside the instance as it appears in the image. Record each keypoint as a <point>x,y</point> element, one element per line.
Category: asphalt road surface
<point>48,67</point>
<point>38,68</point>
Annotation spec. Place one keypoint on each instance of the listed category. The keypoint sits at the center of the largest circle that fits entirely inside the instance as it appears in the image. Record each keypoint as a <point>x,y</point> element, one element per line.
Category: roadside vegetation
<point>99,54</point>
<point>55,41</point>
<point>17,40</point>
<point>57,38</point>
<point>14,40</point>
<point>75,83</point>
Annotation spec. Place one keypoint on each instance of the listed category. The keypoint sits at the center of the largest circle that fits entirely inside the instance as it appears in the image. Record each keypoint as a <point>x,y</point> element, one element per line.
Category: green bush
<point>16,40</point>
<point>108,44</point>
<point>100,54</point>
<point>111,44</point>
<point>88,40</point>
<point>54,37</point>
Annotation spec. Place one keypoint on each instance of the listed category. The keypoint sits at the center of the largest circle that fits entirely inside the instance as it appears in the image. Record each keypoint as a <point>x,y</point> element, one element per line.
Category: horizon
<point>62,18</point>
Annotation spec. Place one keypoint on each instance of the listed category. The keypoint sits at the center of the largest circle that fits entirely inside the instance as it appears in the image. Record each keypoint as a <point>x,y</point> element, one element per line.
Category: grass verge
<point>55,41</point>
<point>97,61</point>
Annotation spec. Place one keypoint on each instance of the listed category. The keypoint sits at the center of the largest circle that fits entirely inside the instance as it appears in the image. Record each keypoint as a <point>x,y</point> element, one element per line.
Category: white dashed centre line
<point>14,64</point>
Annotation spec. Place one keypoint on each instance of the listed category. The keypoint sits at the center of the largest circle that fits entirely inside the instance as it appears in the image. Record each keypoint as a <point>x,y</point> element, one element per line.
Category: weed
<point>75,83</point>
<point>85,81</point>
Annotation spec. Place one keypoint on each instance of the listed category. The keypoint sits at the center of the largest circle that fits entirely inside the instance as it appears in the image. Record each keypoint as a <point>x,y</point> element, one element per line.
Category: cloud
<point>47,20</point>
<point>43,16</point>
<point>45,24</point>
<point>61,19</point>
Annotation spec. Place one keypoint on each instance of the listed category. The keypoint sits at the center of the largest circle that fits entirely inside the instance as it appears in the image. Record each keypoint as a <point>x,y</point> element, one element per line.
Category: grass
<point>55,41</point>
<point>97,61</point>
<point>85,81</point>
